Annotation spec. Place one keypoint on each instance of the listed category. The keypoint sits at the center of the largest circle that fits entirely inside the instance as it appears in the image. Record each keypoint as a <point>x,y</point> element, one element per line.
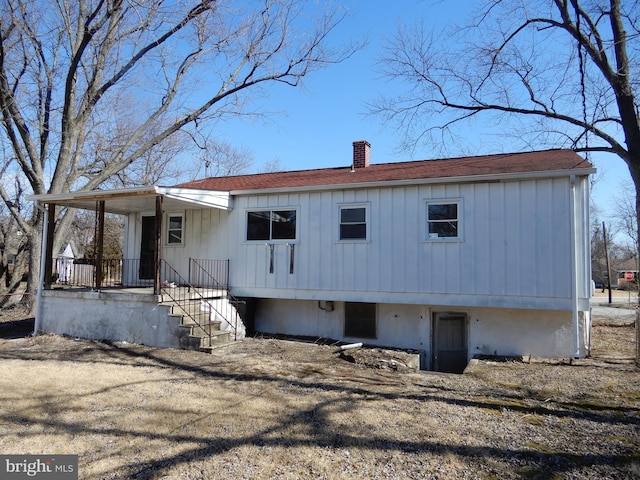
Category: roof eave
<point>214,198</point>
<point>94,194</point>
<point>206,198</point>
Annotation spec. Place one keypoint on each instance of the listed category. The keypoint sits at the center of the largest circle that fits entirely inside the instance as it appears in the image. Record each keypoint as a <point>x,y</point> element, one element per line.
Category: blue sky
<point>321,120</point>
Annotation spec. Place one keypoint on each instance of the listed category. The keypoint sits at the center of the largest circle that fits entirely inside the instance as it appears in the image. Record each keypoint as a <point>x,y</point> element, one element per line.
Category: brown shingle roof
<point>512,163</point>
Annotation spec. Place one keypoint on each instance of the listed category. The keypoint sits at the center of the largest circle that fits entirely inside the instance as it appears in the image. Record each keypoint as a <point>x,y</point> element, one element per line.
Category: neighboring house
<point>65,264</point>
<point>11,247</point>
<point>457,257</point>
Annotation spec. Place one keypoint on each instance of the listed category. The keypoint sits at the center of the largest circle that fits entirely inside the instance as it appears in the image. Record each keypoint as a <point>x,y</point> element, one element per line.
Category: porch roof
<point>138,199</point>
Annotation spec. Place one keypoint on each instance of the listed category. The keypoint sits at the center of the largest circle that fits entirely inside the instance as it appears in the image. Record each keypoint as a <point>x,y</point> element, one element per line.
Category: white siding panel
<point>544,253</point>
<point>325,233</point>
<point>530,232</point>
<point>206,233</point>
<point>476,262</point>
<point>377,231</point>
<point>384,239</point>
<point>411,241</point>
<point>561,281</point>
<point>513,251</point>
<point>496,237</point>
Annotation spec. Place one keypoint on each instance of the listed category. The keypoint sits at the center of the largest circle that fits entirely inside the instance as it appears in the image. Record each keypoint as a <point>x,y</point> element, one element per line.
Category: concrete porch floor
<point>182,292</point>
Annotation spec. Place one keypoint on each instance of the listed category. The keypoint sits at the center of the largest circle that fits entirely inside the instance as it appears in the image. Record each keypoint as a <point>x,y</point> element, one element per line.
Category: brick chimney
<point>361,154</point>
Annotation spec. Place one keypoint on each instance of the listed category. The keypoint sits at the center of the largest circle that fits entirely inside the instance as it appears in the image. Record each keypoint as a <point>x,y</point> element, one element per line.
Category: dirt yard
<point>277,409</point>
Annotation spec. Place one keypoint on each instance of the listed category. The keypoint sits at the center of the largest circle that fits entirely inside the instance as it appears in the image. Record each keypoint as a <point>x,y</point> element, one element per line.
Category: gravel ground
<point>281,409</point>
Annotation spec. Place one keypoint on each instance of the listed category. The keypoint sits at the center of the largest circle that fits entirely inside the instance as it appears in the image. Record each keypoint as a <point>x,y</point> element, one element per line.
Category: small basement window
<point>360,320</point>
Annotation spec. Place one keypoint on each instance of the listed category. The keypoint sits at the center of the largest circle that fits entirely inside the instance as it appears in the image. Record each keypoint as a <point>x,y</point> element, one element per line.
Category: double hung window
<point>443,220</point>
<point>353,222</point>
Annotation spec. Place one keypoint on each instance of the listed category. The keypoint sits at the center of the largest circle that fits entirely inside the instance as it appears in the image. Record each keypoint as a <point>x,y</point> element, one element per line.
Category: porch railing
<point>205,272</point>
<point>119,272</point>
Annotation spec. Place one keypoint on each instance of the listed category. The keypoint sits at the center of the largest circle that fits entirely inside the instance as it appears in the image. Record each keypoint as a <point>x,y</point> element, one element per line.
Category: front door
<point>450,342</point>
<point>147,248</point>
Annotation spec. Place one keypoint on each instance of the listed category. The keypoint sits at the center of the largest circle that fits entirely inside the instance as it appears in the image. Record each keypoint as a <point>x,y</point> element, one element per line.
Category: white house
<point>456,257</point>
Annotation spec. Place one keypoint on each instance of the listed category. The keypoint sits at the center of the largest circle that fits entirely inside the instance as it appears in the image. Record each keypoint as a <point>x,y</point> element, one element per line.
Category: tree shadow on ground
<point>318,429</point>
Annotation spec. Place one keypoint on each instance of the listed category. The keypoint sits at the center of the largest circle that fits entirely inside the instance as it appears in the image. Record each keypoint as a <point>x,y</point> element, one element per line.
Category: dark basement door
<point>450,342</point>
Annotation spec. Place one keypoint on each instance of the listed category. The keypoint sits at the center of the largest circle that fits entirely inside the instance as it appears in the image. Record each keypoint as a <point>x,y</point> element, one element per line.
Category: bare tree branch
<point>89,88</point>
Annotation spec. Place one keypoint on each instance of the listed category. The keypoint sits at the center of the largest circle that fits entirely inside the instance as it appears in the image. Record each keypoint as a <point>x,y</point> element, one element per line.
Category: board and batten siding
<point>515,251</point>
<point>204,237</point>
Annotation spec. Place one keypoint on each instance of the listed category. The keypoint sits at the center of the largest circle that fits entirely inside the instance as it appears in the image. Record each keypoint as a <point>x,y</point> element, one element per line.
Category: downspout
<point>43,259</point>
<point>574,269</point>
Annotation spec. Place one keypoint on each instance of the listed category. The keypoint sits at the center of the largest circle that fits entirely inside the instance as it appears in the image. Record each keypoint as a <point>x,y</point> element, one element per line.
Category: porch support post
<point>99,244</point>
<point>48,256</point>
<point>157,251</point>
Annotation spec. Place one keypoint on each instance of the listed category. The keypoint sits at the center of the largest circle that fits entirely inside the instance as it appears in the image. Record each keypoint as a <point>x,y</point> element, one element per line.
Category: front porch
<point>146,299</point>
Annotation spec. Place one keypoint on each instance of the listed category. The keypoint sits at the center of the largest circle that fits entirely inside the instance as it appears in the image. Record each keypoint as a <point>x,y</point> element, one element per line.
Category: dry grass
<point>269,408</point>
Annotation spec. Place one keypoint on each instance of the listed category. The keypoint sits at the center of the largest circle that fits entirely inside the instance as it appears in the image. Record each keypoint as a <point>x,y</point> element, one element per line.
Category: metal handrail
<point>202,272</point>
<point>181,291</point>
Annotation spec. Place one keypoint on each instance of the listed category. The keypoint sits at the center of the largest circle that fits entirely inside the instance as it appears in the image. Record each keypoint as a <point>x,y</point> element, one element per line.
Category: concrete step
<point>203,330</point>
<point>197,319</point>
<point>195,306</point>
<point>209,293</point>
<point>184,319</point>
<point>217,346</point>
<point>182,293</point>
<point>189,307</point>
<point>217,338</point>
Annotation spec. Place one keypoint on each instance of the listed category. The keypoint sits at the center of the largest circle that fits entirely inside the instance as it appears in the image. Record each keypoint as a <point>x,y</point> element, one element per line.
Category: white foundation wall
<point>511,332</point>
<point>116,317</point>
<point>398,325</point>
<point>505,332</point>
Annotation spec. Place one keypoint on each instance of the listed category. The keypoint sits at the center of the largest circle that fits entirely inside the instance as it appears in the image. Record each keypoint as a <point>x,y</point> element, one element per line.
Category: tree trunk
<point>634,169</point>
<point>35,249</point>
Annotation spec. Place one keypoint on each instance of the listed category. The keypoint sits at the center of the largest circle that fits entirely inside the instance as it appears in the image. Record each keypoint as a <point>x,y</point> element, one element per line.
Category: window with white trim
<point>443,220</point>
<point>353,222</point>
<point>175,229</point>
<point>267,225</point>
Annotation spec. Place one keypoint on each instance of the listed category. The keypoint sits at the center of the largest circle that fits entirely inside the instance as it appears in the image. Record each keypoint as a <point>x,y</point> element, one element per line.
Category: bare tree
<point>14,244</point>
<point>75,75</point>
<point>221,159</point>
<point>273,165</point>
<point>626,219</point>
<point>167,162</point>
<point>84,235</point>
<point>553,72</point>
